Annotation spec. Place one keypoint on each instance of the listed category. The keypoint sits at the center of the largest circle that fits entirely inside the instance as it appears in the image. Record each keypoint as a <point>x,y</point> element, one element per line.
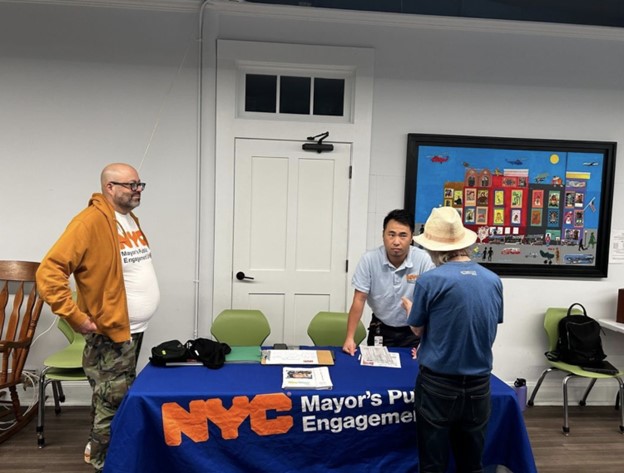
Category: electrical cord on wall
<point>44,332</point>
<point>162,106</point>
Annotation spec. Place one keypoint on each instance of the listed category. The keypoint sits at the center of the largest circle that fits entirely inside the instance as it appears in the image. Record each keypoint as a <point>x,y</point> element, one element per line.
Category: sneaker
<point>87,453</point>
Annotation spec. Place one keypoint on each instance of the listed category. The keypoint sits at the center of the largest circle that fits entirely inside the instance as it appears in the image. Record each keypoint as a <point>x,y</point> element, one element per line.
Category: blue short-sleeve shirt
<point>386,285</point>
<point>459,304</point>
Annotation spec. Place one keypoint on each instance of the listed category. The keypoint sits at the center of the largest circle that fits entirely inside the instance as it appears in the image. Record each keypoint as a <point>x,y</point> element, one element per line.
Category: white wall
<point>81,87</point>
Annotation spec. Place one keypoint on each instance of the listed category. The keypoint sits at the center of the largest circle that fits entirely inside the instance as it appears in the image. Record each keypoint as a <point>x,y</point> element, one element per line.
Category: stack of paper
<point>306,378</point>
<point>379,356</point>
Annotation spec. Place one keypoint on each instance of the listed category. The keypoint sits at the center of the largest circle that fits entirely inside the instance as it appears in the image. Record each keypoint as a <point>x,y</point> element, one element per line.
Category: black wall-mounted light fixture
<point>318,146</point>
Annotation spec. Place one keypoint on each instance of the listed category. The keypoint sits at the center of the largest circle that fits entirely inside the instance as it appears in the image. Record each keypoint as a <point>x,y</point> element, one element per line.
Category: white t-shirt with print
<point>140,279</point>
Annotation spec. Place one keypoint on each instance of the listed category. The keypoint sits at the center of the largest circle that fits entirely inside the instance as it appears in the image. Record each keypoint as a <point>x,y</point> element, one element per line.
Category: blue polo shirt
<point>386,285</point>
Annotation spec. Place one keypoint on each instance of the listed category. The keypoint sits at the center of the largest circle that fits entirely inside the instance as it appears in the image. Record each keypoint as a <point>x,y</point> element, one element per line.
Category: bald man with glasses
<point>117,290</point>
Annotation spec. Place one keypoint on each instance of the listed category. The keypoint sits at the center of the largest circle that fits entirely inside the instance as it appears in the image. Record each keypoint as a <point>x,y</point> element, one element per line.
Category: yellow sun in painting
<point>554,158</point>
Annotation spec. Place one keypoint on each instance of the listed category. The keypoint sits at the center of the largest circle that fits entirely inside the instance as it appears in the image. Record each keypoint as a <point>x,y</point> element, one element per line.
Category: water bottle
<point>521,392</point>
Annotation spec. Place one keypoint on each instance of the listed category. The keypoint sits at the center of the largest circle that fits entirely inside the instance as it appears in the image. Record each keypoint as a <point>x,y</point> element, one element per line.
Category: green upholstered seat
<point>241,327</point>
<point>330,329</point>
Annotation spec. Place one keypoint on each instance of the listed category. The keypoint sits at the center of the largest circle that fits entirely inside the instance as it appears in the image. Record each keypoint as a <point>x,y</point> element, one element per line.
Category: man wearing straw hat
<point>455,310</point>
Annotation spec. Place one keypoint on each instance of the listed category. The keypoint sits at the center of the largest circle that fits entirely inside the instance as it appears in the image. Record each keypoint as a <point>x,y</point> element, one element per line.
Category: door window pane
<point>295,95</point>
<point>329,97</point>
<point>260,93</point>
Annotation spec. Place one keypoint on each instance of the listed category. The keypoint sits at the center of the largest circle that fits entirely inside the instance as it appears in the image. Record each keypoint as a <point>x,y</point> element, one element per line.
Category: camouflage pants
<point>111,369</point>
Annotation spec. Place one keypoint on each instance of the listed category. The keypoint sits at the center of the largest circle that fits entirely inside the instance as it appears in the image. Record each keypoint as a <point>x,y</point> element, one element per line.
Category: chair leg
<point>60,391</point>
<point>620,397</point>
<point>583,401</point>
<point>566,427</point>
<point>41,409</point>
<point>539,383</point>
<point>59,397</point>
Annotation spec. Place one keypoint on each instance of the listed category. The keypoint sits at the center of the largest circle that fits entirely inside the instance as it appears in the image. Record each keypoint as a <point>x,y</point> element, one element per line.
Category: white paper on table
<point>294,357</point>
<point>379,356</point>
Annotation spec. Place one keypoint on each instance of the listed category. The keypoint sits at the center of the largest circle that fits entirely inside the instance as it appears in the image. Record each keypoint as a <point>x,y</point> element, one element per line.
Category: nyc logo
<point>194,423</point>
<point>131,239</point>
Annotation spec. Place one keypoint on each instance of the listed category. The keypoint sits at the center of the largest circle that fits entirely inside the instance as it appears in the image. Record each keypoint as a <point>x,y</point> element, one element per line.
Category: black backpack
<point>579,340</point>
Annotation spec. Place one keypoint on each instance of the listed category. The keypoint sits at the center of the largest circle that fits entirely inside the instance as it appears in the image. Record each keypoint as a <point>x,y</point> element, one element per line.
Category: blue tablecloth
<point>237,419</point>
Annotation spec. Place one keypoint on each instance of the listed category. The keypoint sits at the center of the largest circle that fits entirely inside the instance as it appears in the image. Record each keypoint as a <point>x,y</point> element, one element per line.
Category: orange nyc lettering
<point>194,422</point>
<point>132,239</point>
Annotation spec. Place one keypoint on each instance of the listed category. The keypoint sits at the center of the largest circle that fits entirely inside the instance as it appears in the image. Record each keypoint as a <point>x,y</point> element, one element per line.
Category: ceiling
<point>606,13</point>
<point>580,12</point>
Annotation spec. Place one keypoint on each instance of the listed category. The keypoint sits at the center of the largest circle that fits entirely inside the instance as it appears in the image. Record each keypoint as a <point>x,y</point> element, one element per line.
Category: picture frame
<point>540,207</point>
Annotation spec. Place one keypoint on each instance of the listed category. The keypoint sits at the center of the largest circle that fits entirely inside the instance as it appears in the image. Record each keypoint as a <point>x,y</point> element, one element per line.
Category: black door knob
<point>240,276</point>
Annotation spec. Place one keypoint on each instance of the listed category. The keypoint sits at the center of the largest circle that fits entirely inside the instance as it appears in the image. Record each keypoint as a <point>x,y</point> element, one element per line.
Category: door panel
<point>290,233</point>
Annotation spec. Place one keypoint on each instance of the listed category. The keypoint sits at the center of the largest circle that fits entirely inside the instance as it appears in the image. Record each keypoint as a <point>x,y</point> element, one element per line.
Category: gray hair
<point>441,257</point>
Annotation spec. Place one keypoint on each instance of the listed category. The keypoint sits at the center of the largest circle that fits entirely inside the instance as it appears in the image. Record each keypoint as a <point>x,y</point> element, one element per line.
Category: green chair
<point>241,327</point>
<point>64,365</point>
<point>330,329</point>
<point>551,325</point>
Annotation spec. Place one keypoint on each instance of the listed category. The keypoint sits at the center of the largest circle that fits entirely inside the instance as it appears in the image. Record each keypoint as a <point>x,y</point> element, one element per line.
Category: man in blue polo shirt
<point>383,276</point>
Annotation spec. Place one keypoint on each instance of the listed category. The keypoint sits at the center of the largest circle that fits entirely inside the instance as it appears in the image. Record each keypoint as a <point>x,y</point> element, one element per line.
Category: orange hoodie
<point>88,249</point>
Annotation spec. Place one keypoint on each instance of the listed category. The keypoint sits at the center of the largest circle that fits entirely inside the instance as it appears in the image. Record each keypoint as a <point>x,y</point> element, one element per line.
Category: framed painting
<point>539,207</point>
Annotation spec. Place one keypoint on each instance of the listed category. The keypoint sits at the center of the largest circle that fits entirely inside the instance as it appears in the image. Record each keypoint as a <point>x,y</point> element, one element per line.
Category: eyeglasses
<point>133,186</point>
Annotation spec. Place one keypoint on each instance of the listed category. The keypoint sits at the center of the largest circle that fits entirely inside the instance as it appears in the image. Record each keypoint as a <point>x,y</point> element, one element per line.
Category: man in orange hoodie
<point>117,292</point>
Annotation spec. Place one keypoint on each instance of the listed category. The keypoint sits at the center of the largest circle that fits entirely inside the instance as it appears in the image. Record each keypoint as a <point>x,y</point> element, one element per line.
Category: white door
<point>290,233</point>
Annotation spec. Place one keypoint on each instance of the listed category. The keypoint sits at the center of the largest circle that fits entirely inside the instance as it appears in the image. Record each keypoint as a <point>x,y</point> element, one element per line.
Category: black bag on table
<point>579,340</point>
<point>171,351</point>
<point>210,353</point>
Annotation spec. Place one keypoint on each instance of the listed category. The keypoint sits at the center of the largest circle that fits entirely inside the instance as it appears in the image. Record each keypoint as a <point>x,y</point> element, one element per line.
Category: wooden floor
<point>65,435</point>
<point>593,446</point>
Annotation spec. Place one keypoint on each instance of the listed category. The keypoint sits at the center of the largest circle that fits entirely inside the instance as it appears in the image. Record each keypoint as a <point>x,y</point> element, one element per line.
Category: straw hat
<point>444,231</point>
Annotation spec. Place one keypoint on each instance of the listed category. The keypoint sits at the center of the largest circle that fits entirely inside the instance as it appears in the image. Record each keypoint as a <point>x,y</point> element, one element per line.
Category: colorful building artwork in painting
<point>539,203</point>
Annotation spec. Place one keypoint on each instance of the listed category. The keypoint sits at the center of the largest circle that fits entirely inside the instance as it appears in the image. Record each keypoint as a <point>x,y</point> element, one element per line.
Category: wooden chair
<point>17,328</point>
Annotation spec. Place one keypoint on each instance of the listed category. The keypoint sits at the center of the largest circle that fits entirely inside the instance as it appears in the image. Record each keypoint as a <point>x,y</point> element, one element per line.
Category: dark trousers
<point>452,414</point>
<point>392,336</point>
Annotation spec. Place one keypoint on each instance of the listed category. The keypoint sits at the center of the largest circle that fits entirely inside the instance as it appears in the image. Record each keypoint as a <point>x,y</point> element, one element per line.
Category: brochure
<point>296,377</point>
